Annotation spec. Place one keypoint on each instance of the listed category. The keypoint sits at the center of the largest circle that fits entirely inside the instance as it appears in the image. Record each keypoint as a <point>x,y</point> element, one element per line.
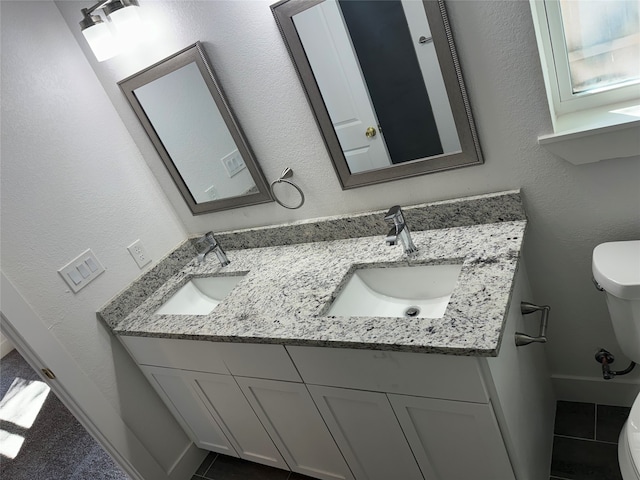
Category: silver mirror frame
<point>195,53</point>
<point>470,154</point>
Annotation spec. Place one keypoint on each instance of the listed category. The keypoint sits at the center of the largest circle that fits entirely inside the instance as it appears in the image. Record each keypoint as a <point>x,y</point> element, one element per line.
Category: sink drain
<point>411,312</point>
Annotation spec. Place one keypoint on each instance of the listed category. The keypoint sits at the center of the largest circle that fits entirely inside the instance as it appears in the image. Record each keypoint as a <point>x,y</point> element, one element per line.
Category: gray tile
<point>230,468</point>
<point>609,422</point>
<point>575,419</point>
<point>206,463</point>
<point>576,459</point>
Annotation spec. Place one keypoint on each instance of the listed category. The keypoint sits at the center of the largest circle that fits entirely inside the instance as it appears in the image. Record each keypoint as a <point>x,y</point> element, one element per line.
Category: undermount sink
<point>420,291</point>
<point>199,296</point>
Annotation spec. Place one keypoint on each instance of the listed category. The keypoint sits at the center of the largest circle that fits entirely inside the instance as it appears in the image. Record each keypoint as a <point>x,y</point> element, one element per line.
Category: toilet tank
<point>616,268</point>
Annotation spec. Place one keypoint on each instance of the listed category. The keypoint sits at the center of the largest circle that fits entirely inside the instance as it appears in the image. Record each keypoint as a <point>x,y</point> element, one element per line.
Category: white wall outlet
<point>233,163</point>
<point>211,192</point>
<point>139,253</point>
<point>81,270</point>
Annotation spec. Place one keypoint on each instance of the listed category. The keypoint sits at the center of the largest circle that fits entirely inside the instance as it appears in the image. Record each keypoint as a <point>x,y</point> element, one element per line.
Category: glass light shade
<point>101,41</point>
<point>128,25</point>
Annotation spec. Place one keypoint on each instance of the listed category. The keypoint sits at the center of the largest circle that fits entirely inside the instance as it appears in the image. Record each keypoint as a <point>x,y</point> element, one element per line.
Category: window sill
<point>592,136</point>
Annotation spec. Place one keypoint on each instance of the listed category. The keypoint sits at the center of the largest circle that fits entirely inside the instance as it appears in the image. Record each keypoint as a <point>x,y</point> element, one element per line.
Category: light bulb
<point>101,41</point>
<point>128,25</point>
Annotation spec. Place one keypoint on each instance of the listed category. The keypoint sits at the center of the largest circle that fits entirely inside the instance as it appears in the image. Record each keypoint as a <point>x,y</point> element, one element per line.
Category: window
<point>602,40</point>
<point>590,53</point>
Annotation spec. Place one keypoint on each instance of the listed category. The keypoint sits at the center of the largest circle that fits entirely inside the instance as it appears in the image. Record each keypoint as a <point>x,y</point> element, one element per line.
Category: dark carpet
<point>55,445</point>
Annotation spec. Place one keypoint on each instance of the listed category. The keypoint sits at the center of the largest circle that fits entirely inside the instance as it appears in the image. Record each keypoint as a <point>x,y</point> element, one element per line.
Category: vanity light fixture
<point>123,15</point>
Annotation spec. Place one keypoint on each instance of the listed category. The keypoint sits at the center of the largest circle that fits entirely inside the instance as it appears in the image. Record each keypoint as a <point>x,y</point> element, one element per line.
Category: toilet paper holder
<point>526,308</point>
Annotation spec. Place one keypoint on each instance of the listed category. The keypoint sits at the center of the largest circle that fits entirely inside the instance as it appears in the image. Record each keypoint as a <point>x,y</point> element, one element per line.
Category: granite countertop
<point>287,289</point>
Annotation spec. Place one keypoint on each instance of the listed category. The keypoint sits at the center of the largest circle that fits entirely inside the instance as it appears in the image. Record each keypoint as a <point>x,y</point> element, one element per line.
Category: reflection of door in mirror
<point>374,63</point>
<point>195,135</point>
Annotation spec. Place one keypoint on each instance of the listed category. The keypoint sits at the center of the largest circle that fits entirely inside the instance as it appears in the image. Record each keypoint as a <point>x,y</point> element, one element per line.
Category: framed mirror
<point>384,83</point>
<point>183,110</point>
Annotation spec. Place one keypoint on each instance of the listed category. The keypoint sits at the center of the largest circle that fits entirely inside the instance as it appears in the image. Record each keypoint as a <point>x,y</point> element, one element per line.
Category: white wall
<point>5,346</point>
<point>72,179</point>
<point>61,195</point>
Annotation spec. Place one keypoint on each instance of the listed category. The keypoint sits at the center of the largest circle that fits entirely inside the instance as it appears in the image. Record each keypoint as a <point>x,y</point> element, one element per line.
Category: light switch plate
<point>81,270</point>
<point>233,163</point>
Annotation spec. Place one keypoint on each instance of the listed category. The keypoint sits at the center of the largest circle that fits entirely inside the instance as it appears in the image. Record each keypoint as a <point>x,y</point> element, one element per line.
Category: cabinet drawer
<point>259,361</point>
<point>437,376</point>
<point>174,353</point>
<point>241,359</point>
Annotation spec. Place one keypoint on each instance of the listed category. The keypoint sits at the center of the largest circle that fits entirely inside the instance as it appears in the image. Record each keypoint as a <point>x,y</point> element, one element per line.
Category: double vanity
<point>322,350</point>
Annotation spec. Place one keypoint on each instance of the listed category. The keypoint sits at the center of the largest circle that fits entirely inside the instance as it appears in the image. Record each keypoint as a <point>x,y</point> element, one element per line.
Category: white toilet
<point>616,268</point>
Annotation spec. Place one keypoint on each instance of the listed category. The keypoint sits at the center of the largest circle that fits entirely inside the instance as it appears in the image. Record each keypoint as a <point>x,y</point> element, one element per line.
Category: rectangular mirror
<point>182,108</point>
<point>384,83</point>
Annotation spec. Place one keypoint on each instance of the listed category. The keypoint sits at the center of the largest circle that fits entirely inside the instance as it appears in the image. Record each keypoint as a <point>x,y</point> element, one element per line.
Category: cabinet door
<point>180,395</point>
<point>367,431</point>
<point>453,440</point>
<point>227,404</point>
<point>296,427</point>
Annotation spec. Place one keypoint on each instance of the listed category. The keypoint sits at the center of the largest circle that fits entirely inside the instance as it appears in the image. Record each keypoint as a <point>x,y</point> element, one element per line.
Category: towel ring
<point>287,173</point>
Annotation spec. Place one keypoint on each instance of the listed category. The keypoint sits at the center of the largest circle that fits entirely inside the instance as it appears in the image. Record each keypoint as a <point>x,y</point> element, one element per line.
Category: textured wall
<point>72,179</point>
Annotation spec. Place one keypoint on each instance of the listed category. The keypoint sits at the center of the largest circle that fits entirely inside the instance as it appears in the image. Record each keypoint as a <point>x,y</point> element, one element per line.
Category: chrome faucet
<point>212,245</point>
<point>399,231</point>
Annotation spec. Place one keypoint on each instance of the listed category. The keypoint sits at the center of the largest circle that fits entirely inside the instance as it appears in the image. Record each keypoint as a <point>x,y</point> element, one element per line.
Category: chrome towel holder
<point>526,308</point>
<point>287,173</point>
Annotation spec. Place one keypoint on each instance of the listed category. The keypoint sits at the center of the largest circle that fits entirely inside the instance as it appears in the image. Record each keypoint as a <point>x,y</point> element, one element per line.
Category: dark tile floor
<point>584,448</point>
<point>223,467</point>
<point>585,442</point>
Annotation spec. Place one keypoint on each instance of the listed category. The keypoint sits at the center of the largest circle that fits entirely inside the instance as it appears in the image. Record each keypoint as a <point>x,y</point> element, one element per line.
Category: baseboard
<point>619,391</point>
<point>5,346</point>
<point>187,463</point>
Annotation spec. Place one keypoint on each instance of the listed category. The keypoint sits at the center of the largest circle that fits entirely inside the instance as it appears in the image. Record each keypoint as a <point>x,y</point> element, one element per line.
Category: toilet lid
<point>616,267</point>
<point>633,433</point>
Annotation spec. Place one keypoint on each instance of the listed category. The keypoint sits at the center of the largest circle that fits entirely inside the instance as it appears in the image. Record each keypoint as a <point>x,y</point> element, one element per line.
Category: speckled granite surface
<point>289,284</point>
<point>288,288</point>
<point>490,208</point>
<point>140,290</point>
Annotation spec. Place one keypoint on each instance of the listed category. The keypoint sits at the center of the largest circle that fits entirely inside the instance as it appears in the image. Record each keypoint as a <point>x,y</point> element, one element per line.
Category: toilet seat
<point>629,444</point>
<point>616,267</point>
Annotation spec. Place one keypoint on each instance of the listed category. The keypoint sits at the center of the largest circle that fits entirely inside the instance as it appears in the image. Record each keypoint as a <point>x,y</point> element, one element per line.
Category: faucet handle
<point>208,238</point>
<point>396,216</point>
<point>393,213</point>
<point>392,237</point>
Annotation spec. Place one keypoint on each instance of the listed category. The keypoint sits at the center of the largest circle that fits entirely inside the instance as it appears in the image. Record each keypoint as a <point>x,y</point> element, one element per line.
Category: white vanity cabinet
<point>453,440</point>
<point>365,428</point>
<point>195,382</point>
<point>438,417</point>
<point>416,416</point>
<point>243,400</point>
<point>180,394</point>
<point>293,421</point>
<point>350,414</point>
<point>216,413</point>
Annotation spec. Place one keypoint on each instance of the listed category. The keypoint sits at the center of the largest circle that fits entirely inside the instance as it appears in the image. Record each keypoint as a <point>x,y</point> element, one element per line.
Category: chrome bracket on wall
<point>526,308</point>
<point>287,173</point>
